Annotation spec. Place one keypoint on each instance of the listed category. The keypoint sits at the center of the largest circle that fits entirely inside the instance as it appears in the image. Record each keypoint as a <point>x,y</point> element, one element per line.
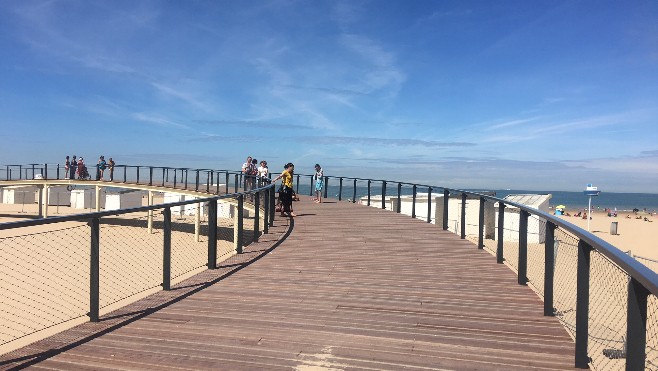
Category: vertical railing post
<point>212,234</point>
<point>523,247</point>
<point>398,200</point>
<point>311,185</point>
<point>45,171</point>
<point>297,185</point>
<point>501,231</point>
<point>266,211</point>
<point>57,171</point>
<point>272,205</point>
<point>94,271</point>
<point>446,199</point>
<point>354,192</point>
<point>150,175</point>
<point>368,192</point>
<point>226,186</point>
<point>166,250</point>
<point>413,202</point>
<point>549,268</point>
<point>481,224</point>
<point>256,216</point>
<point>235,184</point>
<point>384,194</point>
<point>636,328</point>
<point>125,174</point>
<point>326,186</point>
<point>186,174</point>
<point>211,180</point>
<point>196,180</point>
<point>429,204</point>
<point>240,224</point>
<point>340,189</point>
<point>163,176</point>
<point>463,217</point>
<point>582,304</point>
<point>137,167</point>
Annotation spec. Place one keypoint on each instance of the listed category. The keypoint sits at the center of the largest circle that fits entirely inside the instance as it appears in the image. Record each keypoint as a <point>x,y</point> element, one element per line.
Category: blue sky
<point>469,94</point>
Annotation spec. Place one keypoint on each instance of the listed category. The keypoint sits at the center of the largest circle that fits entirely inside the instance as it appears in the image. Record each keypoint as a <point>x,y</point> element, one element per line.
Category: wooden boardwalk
<point>341,286</point>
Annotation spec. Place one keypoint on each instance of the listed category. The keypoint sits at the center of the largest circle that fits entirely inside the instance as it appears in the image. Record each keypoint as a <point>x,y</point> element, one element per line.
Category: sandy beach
<point>45,269</point>
<point>634,234</point>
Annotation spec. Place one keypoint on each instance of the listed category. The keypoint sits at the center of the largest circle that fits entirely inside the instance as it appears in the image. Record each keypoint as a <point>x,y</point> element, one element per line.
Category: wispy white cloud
<point>157,119</point>
<point>380,66</point>
<point>334,140</point>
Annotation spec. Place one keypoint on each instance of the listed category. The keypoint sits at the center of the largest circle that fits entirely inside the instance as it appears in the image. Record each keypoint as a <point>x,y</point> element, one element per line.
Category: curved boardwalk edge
<point>72,338</point>
<point>350,287</point>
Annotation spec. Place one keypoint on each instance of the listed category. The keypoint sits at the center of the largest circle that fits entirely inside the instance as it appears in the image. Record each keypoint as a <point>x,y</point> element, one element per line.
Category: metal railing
<point>55,271</point>
<point>605,299</point>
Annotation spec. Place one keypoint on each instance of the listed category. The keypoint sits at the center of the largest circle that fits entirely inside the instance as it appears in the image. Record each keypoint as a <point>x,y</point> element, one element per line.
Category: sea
<point>573,200</point>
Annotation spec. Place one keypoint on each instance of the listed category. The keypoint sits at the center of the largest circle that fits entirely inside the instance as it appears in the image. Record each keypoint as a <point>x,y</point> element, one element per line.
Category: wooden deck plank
<point>350,287</point>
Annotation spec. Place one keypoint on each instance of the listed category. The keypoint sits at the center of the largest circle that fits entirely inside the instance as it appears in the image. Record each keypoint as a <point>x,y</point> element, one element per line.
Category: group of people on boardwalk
<point>256,176</point>
<point>75,167</point>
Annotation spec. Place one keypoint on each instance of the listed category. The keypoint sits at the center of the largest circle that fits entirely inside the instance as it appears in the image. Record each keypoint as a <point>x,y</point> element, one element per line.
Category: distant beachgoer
<point>81,168</point>
<point>319,183</point>
<point>286,191</point>
<point>73,168</point>
<point>249,172</point>
<point>263,171</point>
<point>110,165</point>
<point>67,165</point>
<point>100,168</point>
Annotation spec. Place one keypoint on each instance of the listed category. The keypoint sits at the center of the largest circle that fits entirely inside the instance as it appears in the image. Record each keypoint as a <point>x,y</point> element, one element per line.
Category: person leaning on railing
<point>285,192</point>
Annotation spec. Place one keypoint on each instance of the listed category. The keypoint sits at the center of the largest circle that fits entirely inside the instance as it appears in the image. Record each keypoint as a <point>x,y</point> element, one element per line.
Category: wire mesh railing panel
<point>608,302</point>
<point>566,269</point>
<point>130,258</point>
<point>225,233</point>
<point>189,245</point>
<point>536,253</point>
<point>43,280</point>
<point>651,362</point>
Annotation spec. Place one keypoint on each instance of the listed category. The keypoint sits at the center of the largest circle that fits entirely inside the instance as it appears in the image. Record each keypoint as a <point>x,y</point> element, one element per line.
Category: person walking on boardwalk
<point>319,183</point>
<point>286,189</point>
<point>73,167</point>
<point>110,165</point>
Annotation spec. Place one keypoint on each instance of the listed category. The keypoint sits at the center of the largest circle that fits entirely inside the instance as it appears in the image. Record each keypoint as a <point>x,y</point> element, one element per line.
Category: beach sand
<point>638,236</point>
<point>44,269</point>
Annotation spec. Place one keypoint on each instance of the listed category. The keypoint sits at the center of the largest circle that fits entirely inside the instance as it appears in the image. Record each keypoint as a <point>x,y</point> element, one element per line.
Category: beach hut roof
<point>536,201</point>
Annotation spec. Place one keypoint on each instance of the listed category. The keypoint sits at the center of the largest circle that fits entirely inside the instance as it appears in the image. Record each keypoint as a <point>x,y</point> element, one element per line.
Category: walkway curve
<point>342,286</point>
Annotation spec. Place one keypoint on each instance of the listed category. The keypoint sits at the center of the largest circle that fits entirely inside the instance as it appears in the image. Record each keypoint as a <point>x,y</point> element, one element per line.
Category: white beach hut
<point>19,195</point>
<point>536,225</point>
<point>123,200</point>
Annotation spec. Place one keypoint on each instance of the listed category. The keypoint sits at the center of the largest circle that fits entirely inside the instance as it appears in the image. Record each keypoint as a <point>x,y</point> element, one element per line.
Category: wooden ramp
<point>341,286</point>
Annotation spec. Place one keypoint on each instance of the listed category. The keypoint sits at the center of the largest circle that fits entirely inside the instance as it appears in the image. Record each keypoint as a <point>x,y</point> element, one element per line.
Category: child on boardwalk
<point>319,183</point>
